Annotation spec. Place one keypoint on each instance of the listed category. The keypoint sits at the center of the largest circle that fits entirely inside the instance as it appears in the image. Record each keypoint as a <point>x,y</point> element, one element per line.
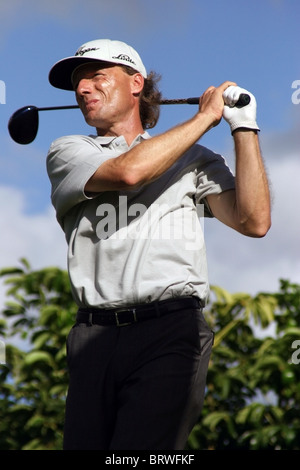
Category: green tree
<point>253,386</point>
<point>253,392</point>
<point>34,379</point>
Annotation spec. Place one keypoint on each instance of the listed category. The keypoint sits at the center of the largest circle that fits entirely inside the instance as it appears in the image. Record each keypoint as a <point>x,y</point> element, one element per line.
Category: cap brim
<point>61,73</point>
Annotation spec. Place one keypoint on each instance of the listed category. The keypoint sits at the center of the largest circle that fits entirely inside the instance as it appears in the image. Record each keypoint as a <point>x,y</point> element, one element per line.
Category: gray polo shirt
<point>130,247</point>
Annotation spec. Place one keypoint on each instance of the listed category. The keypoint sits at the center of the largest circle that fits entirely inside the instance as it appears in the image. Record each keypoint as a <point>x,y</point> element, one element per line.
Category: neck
<point>129,134</point>
<point>129,128</point>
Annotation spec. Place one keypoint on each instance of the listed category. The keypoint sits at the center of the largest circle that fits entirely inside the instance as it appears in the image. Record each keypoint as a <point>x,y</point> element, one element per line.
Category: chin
<point>90,121</point>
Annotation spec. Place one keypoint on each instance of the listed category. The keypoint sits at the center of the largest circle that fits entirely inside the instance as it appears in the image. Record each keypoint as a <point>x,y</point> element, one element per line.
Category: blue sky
<point>193,44</point>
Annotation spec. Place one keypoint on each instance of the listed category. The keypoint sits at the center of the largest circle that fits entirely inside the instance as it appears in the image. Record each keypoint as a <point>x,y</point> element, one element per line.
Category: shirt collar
<point>108,140</point>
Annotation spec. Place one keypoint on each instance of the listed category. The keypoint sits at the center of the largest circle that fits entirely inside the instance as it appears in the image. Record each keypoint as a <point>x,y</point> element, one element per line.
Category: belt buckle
<point>121,310</point>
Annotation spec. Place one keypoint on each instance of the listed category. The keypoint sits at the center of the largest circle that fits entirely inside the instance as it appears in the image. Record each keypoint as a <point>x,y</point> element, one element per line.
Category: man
<point>128,204</point>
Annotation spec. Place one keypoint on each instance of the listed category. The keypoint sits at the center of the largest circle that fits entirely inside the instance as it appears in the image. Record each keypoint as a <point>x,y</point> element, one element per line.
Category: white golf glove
<point>239,117</point>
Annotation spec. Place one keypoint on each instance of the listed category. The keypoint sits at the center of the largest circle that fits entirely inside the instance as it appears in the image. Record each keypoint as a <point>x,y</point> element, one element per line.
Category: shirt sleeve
<point>71,161</point>
<point>213,176</point>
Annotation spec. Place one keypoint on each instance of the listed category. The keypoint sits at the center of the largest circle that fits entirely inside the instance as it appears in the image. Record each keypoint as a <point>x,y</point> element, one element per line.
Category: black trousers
<point>139,386</point>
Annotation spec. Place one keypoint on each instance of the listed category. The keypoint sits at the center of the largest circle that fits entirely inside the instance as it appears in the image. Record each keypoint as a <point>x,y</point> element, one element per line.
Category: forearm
<point>150,159</point>
<point>247,207</point>
<point>252,204</point>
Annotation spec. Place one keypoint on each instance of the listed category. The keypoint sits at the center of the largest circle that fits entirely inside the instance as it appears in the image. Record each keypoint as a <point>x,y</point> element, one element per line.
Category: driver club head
<point>23,125</point>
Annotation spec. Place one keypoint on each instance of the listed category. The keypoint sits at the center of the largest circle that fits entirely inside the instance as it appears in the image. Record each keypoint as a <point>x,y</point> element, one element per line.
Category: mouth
<point>90,104</point>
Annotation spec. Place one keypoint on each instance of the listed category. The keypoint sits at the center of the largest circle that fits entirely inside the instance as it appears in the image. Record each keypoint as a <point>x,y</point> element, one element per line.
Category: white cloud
<point>239,263</point>
<point>36,237</point>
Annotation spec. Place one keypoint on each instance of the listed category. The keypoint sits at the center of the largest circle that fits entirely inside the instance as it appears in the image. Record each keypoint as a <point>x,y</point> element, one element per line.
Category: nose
<point>84,86</point>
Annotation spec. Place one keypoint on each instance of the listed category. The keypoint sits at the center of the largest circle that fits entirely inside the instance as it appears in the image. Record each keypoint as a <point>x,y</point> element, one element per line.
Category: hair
<point>150,98</point>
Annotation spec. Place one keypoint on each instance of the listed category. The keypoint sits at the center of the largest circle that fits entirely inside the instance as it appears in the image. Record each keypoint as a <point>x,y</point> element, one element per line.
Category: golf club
<point>24,123</point>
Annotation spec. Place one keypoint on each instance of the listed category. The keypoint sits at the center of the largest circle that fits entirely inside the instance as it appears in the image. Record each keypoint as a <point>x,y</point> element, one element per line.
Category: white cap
<point>101,50</point>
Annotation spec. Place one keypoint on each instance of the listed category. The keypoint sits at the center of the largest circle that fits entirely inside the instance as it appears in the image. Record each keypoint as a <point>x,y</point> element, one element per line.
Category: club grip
<point>192,100</point>
<point>243,100</point>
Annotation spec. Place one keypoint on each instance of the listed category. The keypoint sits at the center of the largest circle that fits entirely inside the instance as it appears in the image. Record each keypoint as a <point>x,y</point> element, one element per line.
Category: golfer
<point>129,206</point>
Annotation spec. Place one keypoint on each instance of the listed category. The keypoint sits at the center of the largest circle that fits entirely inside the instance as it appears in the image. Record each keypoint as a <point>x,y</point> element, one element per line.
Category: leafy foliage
<point>34,382</point>
<point>253,391</point>
<point>253,384</point>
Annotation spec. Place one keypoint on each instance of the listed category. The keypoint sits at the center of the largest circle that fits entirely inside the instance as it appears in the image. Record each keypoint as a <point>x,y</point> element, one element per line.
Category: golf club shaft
<point>175,101</point>
<point>52,108</point>
<point>244,99</point>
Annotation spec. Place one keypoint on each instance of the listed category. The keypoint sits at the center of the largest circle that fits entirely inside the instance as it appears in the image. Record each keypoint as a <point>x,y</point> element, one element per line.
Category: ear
<point>137,83</point>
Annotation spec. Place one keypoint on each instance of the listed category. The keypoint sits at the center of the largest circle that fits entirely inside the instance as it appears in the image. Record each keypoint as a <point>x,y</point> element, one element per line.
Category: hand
<point>239,117</point>
<point>212,103</point>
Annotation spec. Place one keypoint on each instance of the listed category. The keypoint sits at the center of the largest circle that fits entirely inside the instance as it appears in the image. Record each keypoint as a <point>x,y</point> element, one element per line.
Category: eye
<point>98,74</point>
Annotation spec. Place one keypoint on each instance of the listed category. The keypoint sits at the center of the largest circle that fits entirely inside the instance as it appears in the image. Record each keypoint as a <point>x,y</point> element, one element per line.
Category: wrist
<point>245,137</point>
<point>243,126</point>
<point>244,129</point>
<point>208,120</point>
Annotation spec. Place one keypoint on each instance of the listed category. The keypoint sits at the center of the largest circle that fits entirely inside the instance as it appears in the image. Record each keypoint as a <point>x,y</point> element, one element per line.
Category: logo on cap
<point>124,57</point>
<point>81,51</point>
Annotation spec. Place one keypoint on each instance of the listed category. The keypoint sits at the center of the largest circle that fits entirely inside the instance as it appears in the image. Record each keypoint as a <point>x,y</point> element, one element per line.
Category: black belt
<point>127,315</point>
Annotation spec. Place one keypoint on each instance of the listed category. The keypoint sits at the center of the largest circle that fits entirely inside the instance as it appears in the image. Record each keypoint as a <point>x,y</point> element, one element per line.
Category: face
<point>105,94</point>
